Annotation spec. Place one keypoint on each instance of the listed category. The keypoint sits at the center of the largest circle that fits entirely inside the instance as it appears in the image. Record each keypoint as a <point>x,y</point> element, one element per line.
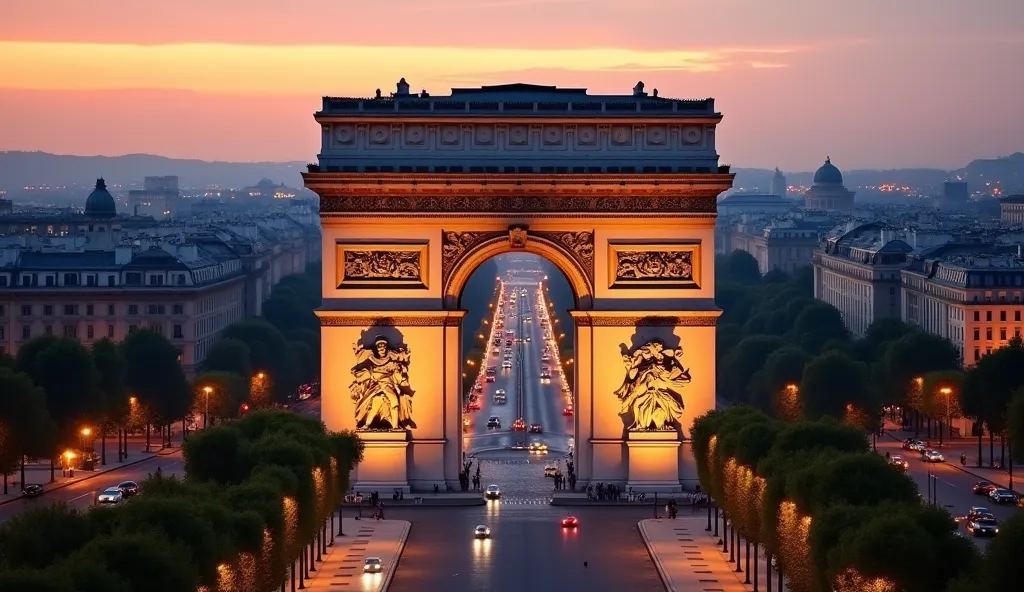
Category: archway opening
<point>518,412</point>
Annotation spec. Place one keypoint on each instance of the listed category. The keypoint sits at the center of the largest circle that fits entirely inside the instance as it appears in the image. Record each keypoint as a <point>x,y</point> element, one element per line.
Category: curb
<point>398,558</point>
<point>92,476</point>
<point>445,504</point>
<point>666,580</point>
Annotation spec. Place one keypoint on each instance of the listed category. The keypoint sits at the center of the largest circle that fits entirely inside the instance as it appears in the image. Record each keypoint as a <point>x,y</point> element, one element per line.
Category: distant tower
<point>779,183</point>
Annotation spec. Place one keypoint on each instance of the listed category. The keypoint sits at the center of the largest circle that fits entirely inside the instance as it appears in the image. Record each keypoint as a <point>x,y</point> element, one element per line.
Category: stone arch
<point>579,280</point>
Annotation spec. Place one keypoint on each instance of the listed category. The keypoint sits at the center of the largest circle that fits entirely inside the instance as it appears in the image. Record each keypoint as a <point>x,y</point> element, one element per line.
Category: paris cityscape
<point>480,295</point>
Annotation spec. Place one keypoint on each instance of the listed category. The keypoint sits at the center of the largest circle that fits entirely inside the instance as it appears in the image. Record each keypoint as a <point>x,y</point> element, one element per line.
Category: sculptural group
<point>381,387</point>
<point>651,392</point>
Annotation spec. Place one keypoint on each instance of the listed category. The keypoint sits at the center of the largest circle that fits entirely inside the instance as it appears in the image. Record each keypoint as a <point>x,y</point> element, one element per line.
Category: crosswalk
<point>525,501</point>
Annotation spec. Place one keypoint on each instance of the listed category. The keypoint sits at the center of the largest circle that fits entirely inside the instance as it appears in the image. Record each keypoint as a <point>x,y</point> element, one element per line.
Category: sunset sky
<point>873,83</point>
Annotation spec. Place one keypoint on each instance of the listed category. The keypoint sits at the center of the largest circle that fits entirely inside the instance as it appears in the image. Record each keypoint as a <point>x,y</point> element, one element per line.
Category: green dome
<point>828,174</point>
<point>100,203</point>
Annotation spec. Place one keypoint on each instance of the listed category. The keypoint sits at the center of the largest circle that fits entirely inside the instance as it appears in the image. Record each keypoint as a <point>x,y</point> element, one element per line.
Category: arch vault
<point>618,192</point>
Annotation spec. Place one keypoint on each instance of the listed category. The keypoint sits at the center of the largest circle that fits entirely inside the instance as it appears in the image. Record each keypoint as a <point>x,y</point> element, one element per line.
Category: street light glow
<point>86,432</point>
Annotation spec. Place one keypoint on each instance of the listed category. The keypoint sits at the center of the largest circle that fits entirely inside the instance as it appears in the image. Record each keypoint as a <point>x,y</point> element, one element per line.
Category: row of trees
<point>57,394</point>
<point>785,353</point>
<point>258,498</point>
<point>559,297</point>
<point>836,517</point>
<point>479,300</point>
<point>263,360</point>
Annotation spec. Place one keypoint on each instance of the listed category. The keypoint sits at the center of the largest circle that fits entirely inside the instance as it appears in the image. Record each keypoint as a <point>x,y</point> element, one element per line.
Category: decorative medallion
<point>380,386</point>
<point>379,265</point>
<point>517,237</point>
<point>484,134</point>
<point>587,135</point>
<point>621,135</point>
<point>691,135</point>
<point>654,266</point>
<point>651,393</point>
<point>414,134</point>
<point>379,134</point>
<point>344,134</point>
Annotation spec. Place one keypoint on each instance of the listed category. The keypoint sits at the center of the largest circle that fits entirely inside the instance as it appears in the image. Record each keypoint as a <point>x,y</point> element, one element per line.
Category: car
<point>550,469</point>
<point>527,339</point>
<point>494,421</point>
<point>933,456</point>
<point>508,343</point>
<point>1003,496</point>
<point>490,378</point>
<point>519,425</point>
<point>977,511</point>
<point>506,365</point>
<point>500,393</point>
<point>907,443</point>
<point>897,461</point>
<point>567,411</point>
<point>32,490</point>
<point>128,488</point>
<point>983,526</point>
<point>373,565</point>
<point>546,358</point>
<point>983,487</point>
<point>482,532</point>
<point>474,405</point>
<point>917,446</point>
<point>570,522</point>
<point>492,492</point>
<point>535,428</point>
<point>545,375</point>
<point>110,495</point>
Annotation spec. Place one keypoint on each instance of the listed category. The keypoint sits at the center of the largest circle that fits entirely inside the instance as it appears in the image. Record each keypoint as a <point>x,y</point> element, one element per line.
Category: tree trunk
<point>103,444</point>
<point>1002,452</point>
<point>23,470</point>
<point>991,448</point>
<point>979,443</point>
<point>52,473</point>
<point>147,436</point>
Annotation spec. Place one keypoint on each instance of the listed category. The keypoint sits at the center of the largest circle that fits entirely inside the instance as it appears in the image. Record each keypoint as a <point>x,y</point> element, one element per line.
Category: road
<point>528,550</point>
<point>82,493</point>
<point>528,397</point>
<point>953,489</point>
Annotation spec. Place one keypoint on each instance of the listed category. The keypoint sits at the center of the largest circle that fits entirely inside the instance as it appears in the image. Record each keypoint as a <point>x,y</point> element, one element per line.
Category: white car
<point>506,365</point>
<point>110,495</point>
<point>933,456</point>
<point>373,565</point>
<point>493,492</point>
<point>500,393</point>
<point>482,532</point>
<point>550,470</point>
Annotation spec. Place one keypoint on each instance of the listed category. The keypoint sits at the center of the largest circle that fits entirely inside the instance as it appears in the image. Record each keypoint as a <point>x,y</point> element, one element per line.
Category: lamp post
<point>206,413</point>
<point>947,392</point>
<point>86,432</point>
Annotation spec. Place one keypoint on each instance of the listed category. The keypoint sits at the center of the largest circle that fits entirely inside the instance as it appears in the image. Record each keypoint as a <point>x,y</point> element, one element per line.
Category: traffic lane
<point>528,547</point>
<point>82,493</point>
<point>953,486</point>
<point>482,436</point>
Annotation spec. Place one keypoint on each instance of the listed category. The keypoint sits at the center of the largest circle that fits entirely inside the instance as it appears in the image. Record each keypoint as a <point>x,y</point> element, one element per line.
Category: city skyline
<point>871,85</point>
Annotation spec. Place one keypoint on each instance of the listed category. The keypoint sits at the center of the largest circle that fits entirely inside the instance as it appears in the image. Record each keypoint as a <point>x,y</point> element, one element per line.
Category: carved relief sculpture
<point>674,266</point>
<point>364,265</point>
<point>651,393</point>
<point>380,388</point>
<point>517,237</point>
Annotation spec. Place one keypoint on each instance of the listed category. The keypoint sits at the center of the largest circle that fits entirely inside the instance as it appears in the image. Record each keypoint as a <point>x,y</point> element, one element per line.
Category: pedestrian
<point>887,457</point>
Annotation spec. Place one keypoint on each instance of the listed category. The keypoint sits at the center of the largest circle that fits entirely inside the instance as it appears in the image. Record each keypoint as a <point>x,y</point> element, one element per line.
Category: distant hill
<point>20,169</point>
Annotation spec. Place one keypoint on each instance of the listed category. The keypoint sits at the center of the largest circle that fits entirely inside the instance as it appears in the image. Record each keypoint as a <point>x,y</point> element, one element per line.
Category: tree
<point>227,393</point>
<point>834,384</point>
<point>1015,425</point>
<point>288,311</point>
<point>112,369</point>
<point>911,357</point>
<point>740,365</point>
<point>155,376</point>
<point>229,355</point>
<point>940,394</point>
<point>879,335</point>
<point>25,425</point>
<point>818,324</point>
<point>862,480</point>
<point>136,558</point>
<point>740,267</point>
<point>269,353</point>
<point>219,454</point>
<point>990,385</point>
<point>1001,568</point>
<point>71,382</point>
<point>776,386</point>
<point>28,355</point>
<point>41,535</point>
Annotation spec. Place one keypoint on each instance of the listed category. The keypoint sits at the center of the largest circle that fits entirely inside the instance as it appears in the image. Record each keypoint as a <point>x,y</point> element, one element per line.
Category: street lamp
<point>206,413</point>
<point>947,392</point>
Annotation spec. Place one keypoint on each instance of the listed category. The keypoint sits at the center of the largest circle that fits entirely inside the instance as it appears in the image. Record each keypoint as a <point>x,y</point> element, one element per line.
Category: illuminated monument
<point>617,191</point>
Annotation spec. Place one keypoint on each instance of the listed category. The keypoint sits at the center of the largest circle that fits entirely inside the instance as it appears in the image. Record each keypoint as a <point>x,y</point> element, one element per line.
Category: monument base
<point>385,463</point>
<point>653,462</point>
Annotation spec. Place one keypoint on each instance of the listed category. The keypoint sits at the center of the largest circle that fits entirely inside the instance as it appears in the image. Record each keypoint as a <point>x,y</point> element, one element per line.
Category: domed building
<point>828,191</point>
<point>100,204</point>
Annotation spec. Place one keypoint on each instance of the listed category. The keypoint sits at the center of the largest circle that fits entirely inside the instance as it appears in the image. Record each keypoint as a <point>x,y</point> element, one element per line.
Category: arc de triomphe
<point>618,191</point>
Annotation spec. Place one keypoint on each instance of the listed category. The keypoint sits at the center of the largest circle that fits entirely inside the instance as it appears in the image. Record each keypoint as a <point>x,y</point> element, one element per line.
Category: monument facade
<point>617,191</point>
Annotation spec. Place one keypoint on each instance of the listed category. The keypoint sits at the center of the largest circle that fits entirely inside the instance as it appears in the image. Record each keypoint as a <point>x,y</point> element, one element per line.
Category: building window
<point>133,309</point>
<point>3,280</point>
<point>181,279</point>
<point>177,332</point>
<point>156,280</point>
<point>2,310</point>
<point>158,329</point>
<point>1,332</point>
<point>48,310</point>
<point>132,329</point>
<point>51,281</point>
<point>1016,316</point>
<point>988,333</point>
<point>48,329</point>
<point>180,309</point>
<point>1002,333</point>
<point>70,279</point>
<point>90,280</point>
<point>88,310</point>
<point>977,354</point>
<point>88,332</point>
<point>977,334</point>
<point>110,331</point>
<point>110,310</point>
<point>70,331</point>
<point>26,310</point>
<point>26,331</point>
<point>70,309</point>
<point>157,309</point>
<point>1002,316</point>
<point>988,315</point>
<point>133,278</point>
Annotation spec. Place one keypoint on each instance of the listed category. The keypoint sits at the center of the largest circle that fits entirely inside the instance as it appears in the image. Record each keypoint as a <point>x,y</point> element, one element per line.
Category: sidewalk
<point>41,473</point>
<point>687,557</point>
<point>952,449</point>
<point>342,567</point>
<point>445,499</point>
